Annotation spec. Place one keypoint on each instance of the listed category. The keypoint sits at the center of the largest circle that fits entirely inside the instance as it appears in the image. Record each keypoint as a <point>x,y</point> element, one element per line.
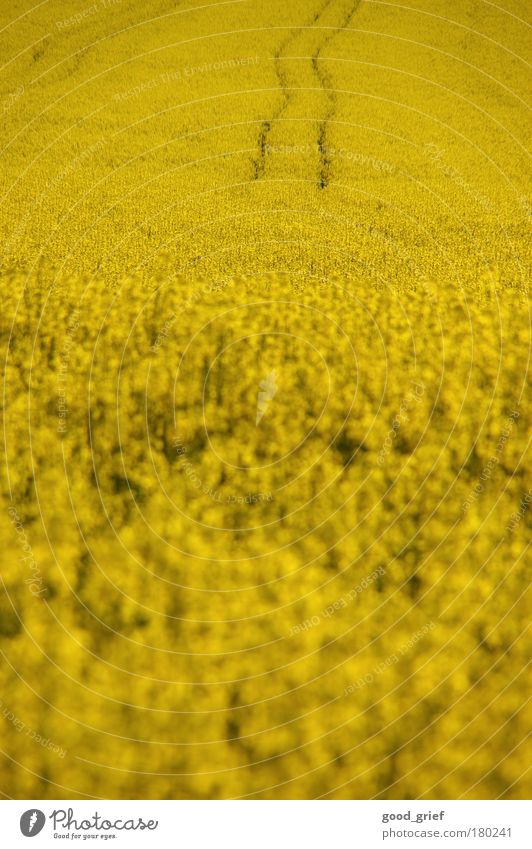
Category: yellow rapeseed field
<point>265,412</point>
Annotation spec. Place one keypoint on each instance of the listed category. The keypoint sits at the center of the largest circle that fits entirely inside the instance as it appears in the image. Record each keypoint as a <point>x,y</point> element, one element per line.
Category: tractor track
<point>326,84</point>
<point>260,162</point>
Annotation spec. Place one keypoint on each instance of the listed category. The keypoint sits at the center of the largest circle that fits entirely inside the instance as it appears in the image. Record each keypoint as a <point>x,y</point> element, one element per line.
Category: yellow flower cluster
<point>190,640</point>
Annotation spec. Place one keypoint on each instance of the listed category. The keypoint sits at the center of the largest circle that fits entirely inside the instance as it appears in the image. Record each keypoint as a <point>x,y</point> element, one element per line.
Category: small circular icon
<point>32,822</point>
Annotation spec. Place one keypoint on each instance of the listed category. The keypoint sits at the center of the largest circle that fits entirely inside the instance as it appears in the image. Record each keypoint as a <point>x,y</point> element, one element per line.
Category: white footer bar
<point>267,824</point>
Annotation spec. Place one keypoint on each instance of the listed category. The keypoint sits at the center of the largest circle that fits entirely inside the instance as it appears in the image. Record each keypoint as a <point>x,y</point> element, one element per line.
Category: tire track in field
<point>326,84</point>
<point>259,163</point>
